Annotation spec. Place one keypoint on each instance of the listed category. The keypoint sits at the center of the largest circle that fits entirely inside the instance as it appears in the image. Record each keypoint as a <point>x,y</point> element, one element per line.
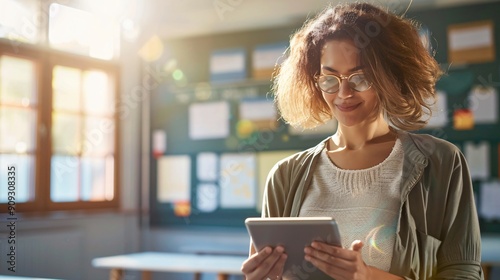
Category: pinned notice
<point>209,120</point>
<point>478,159</point>
<point>159,142</point>
<point>484,104</point>
<point>237,180</point>
<point>174,179</point>
<point>471,42</point>
<point>489,208</point>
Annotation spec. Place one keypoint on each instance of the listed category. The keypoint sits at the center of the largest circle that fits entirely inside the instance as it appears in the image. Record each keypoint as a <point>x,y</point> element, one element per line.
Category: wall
<point>63,246</point>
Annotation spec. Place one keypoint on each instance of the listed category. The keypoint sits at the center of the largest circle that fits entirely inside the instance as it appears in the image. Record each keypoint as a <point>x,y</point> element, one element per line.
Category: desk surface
<point>173,262</point>
<point>7,277</point>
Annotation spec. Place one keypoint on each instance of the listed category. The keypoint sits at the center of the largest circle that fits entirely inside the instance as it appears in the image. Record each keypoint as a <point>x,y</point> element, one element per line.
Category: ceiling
<point>185,18</point>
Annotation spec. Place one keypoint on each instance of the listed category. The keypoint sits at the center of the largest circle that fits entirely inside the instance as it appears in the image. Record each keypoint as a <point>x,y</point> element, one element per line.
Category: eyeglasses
<point>331,83</point>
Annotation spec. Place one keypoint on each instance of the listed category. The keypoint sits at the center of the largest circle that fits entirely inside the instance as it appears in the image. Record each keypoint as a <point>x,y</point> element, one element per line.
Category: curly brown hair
<point>400,67</point>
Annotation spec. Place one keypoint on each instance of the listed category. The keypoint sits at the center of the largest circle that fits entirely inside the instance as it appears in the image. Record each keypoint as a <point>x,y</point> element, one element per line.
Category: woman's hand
<point>339,263</point>
<point>266,264</point>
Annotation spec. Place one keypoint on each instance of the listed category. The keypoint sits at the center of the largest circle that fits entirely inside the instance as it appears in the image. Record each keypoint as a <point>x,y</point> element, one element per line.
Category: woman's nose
<point>345,91</point>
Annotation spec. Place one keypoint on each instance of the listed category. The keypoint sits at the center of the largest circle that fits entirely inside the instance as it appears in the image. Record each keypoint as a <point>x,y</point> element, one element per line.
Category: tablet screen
<point>294,234</point>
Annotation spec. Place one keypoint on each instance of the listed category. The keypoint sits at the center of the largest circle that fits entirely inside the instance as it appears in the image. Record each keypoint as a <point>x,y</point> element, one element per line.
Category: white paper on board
<point>237,180</point>
<point>439,116</point>
<point>260,109</point>
<point>174,179</point>
<point>159,141</point>
<point>471,38</point>
<point>209,120</point>
<point>478,159</point>
<point>489,208</point>
<point>227,62</point>
<point>207,166</point>
<point>207,197</point>
<point>483,102</point>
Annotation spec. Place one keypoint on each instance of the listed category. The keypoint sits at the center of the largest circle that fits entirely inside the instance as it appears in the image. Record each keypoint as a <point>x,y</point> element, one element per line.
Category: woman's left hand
<point>337,262</point>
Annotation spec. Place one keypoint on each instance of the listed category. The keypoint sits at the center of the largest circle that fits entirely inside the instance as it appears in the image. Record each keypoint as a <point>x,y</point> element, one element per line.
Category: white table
<point>147,262</point>
<point>7,277</point>
<point>224,266</point>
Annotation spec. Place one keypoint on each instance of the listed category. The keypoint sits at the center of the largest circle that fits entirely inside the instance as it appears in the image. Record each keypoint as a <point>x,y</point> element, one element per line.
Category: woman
<point>404,202</point>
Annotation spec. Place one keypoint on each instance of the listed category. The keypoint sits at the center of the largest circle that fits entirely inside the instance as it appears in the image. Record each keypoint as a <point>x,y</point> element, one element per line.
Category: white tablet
<point>294,234</point>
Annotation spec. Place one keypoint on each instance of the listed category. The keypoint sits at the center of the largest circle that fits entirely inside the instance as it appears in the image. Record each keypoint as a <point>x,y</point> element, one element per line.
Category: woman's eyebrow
<point>350,70</point>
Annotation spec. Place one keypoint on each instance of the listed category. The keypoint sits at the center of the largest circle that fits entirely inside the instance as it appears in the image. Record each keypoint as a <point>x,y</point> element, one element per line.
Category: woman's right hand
<point>265,264</point>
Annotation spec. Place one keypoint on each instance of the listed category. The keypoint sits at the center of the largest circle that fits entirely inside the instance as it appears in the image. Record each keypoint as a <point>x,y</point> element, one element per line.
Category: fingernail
<point>280,249</point>
<point>307,250</point>
<point>268,250</point>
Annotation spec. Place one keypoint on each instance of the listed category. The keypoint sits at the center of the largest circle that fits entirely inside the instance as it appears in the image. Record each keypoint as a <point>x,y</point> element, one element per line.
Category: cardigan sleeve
<point>459,254</point>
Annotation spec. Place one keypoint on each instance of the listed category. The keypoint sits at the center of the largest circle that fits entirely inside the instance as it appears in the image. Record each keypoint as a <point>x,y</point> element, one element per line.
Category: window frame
<point>45,60</point>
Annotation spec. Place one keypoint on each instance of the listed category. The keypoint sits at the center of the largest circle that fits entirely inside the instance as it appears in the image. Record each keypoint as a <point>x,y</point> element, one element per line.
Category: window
<point>82,160</point>
<point>58,123</point>
<point>18,116</point>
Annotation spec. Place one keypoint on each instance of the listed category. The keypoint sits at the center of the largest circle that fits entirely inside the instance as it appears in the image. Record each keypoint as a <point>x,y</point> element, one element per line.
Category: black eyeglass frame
<point>340,78</point>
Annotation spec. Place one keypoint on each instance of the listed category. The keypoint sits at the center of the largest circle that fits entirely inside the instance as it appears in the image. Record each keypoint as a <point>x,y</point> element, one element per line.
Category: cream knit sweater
<point>364,202</point>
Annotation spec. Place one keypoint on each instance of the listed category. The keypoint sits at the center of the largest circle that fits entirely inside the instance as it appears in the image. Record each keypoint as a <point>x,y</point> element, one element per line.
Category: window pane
<point>97,179</point>
<point>99,136</point>
<point>19,20</point>
<point>81,32</point>
<point>24,169</point>
<point>66,88</point>
<point>17,130</point>
<point>66,133</point>
<point>17,81</point>
<point>97,93</point>
<point>64,179</point>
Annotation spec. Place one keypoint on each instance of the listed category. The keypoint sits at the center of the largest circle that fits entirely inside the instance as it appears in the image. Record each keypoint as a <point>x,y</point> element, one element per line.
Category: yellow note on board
<point>182,208</point>
<point>463,119</point>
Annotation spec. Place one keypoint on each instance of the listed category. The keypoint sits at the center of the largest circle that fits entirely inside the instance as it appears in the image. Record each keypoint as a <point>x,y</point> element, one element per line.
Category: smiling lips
<point>347,107</point>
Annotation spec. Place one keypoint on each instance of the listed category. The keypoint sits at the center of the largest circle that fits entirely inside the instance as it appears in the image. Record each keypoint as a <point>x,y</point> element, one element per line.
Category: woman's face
<point>349,107</point>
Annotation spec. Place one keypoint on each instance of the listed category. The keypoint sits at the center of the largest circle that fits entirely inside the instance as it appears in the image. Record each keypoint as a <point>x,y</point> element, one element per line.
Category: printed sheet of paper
<point>227,61</point>
<point>478,159</point>
<point>237,180</point>
<point>470,38</point>
<point>489,208</point>
<point>159,141</point>
<point>265,162</point>
<point>268,56</point>
<point>439,112</point>
<point>207,197</point>
<point>174,179</point>
<point>209,120</point>
<point>259,109</point>
<point>484,105</point>
<point>228,65</point>
<point>207,166</point>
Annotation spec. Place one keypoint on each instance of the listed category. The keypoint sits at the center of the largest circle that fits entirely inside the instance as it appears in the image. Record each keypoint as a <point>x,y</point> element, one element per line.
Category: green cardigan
<point>438,233</point>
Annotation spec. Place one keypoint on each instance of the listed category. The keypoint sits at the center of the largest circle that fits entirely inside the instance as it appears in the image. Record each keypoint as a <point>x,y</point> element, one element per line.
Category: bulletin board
<point>466,117</point>
<point>256,149</point>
